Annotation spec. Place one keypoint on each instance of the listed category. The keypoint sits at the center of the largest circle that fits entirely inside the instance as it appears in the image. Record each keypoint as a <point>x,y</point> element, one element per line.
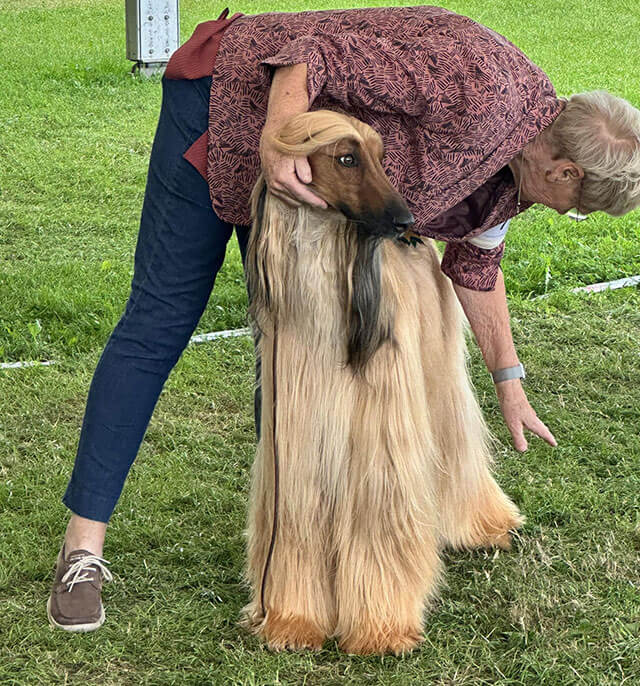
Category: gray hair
<point>601,133</point>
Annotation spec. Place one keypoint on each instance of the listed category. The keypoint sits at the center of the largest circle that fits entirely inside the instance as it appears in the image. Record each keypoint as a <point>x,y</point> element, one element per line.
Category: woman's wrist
<point>508,390</point>
<point>503,374</point>
<point>500,353</point>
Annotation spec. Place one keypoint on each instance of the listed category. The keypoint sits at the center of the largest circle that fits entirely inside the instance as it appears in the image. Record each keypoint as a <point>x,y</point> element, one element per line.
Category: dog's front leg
<point>297,591</point>
<point>385,528</point>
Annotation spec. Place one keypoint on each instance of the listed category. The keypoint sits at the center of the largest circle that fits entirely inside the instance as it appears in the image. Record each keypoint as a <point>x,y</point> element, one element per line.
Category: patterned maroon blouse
<point>453,101</point>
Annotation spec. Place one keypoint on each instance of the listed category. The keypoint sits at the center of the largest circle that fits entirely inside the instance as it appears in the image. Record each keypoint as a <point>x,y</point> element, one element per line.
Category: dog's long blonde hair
<point>383,452</point>
<point>357,254</point>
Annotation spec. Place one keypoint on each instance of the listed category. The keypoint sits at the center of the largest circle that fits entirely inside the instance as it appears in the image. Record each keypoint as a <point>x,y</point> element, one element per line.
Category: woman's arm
<point>488,316</point>
<point>486,310</point>
<point>287,176</point>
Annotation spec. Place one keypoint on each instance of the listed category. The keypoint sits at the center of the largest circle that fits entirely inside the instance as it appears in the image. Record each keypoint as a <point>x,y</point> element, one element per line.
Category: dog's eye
<point>348,160</point>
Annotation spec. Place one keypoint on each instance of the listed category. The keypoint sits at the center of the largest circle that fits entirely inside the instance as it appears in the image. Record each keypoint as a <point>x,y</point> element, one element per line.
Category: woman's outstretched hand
<point>519,415</point>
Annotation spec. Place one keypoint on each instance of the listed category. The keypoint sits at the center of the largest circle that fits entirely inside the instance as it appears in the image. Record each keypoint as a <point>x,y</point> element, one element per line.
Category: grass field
<point>75,135</point>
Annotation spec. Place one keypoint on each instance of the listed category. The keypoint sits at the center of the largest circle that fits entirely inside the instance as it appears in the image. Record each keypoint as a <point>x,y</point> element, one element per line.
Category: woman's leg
<point>181,247</point>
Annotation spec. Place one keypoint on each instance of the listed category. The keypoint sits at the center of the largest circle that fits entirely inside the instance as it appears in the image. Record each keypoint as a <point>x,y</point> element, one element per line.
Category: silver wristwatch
<point>508,373</point>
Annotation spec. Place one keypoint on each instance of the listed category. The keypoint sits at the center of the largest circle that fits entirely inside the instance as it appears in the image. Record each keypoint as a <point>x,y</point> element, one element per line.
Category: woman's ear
<point>565,171</point>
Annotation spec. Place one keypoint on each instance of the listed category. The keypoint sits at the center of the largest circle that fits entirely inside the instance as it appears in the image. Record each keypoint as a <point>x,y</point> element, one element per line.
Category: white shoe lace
<point>80,569</point>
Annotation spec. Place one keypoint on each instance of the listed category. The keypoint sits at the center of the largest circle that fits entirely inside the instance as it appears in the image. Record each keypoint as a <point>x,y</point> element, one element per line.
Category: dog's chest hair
<point>321,264</point>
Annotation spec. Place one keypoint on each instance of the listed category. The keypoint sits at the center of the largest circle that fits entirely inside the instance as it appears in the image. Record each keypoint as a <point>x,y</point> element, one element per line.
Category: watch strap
<point>508,373</point>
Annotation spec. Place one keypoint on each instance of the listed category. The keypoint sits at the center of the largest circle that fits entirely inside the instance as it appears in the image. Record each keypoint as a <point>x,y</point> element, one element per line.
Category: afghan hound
<point>373,453</point>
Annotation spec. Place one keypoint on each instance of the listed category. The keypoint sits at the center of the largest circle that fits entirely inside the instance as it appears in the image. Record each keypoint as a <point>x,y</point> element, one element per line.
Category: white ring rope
<point>21,365</point>
<point>201,338</point>
<point>234,333</point>
<point>229,333</point>
<point>602,286</point>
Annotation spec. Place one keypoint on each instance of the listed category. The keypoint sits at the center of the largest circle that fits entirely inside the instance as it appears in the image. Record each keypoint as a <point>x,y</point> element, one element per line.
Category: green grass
<point>565,599</point>
<point>76,131</point>
<point>75,135</point>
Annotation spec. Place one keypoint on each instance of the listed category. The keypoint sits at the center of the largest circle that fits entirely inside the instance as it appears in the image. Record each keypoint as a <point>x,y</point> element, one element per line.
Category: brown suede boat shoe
<point>75,603</point>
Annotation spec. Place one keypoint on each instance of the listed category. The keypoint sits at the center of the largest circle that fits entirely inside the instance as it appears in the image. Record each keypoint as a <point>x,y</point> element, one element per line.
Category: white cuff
<point>491,238</point>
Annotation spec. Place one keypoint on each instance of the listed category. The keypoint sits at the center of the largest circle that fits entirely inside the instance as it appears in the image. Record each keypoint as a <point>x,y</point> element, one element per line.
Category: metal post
<point>153,33</point>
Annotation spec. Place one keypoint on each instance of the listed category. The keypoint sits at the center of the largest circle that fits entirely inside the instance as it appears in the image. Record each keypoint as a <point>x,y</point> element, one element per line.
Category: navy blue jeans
<point>181,247</point>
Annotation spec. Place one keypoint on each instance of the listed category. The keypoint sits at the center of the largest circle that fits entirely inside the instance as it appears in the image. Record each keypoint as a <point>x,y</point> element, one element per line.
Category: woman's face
<point>555,183</point>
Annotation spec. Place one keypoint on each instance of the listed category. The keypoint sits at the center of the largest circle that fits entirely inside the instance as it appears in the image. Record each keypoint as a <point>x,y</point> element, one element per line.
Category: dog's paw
<point>486,533</point>
<point>290,633</point>
<point>499,535</point>
<point>377,643</point>
<point>498,540</point>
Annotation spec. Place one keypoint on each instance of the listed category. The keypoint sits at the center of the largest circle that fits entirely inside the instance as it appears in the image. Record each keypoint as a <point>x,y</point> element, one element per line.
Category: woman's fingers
<point>517,435</point>
<point>303,169</point>
<point>519,415</point>
<point>285,198</point>
<point>532,423</point>
<point>293,180</point>
<point>540,429</point>
<point>293,194</point>
<point>298,191</point>
<point>287,178</point>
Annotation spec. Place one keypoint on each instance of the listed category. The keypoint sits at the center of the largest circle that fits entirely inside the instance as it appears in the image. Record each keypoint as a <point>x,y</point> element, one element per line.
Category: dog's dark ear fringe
<point>366,331</point>
<point>257,276</point>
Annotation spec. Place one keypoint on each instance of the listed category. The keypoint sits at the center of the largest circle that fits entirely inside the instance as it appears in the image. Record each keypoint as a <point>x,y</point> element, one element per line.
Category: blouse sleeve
<point>370,73</point>
<point>472,267</point>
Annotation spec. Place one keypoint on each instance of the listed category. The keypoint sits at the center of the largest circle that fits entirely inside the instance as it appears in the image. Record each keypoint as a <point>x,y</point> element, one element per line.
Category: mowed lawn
<point>75,134</point>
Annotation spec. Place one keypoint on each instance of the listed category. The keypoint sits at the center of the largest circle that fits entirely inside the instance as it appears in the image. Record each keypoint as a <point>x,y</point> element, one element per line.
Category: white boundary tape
<point>229,333</point>
<point>608,285</point>
<point>200,338</point>
<point>21,365</point>
<point>602,286</point>
<point>234,333</point>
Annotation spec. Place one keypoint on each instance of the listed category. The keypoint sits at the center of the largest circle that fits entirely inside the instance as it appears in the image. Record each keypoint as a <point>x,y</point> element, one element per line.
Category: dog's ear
<point>368,329</point>
<point>259,211</point>
<point>256,268</point>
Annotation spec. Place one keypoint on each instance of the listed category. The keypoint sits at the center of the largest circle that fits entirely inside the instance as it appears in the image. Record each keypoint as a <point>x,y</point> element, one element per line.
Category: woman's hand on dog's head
<point>287,177</point>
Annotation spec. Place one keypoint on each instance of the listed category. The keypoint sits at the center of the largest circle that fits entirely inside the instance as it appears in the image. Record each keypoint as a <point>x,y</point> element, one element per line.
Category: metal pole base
<point>148,69</point>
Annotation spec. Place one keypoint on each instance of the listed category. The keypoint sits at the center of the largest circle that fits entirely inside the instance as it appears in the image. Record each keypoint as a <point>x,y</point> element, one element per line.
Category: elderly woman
<point>474,134</point>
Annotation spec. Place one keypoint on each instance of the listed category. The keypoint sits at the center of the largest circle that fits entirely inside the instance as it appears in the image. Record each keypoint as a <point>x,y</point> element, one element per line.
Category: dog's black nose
<point>403,220</point>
